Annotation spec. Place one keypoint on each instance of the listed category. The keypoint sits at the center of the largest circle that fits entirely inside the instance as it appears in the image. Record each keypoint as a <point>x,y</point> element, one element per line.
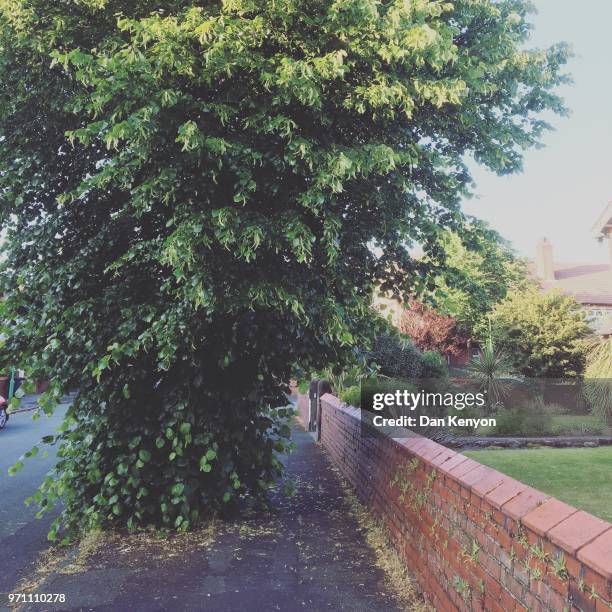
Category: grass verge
<point>398,578</point>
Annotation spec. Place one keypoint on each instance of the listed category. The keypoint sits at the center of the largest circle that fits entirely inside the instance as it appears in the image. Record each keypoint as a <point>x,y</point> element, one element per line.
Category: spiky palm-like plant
<point>489,372</point>
<point>598,378</point>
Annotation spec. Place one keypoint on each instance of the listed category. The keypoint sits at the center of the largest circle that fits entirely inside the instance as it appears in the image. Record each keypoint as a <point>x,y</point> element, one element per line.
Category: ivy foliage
<point>196,197</point>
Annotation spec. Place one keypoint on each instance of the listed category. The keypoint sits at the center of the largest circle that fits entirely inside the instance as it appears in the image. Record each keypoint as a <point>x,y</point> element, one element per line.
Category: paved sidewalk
<point>307,554</point>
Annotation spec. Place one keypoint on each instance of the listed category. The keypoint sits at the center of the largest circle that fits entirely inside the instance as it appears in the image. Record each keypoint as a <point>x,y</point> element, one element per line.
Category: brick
<point>430,451</point>
<point>602,606</point>
<point>492,605</point>
<point>490,480</point>
<point>444,456</point>
<point>548,515</point>
<point>581,598</point>
<point>503,493</point>
<point>507,601</point>
<point>576,531</point>
<point>532,602</point>
<point>594,581</point>
<point>598,554</point>
<point>524,503</point>
<point>412,444</point>
<point>557,601</point>
<point>521,574</point>
<point>453,462</point>
<point>473,475</point>
<point>459,471</point>
<point>492,567</point>
<point>560,584</point>
<point>573,565</point>
<point>541,590</point>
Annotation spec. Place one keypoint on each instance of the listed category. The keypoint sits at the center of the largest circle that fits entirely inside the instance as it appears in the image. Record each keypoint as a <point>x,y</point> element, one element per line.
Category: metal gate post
<point>312,405</point>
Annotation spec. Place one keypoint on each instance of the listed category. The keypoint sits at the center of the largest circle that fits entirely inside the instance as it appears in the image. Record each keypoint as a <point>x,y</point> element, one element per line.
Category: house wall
<point>462,358</point>
<point>474,538</point>
<point>597,316</point>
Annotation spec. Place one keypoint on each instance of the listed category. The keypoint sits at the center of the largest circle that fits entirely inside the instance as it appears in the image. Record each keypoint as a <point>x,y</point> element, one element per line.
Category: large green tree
<point>196,196</point>
<point>542,334</point>
<point>480,269</point>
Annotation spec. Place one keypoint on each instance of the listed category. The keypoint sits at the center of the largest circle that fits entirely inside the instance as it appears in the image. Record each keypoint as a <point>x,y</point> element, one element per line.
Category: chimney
<point>544,260</point>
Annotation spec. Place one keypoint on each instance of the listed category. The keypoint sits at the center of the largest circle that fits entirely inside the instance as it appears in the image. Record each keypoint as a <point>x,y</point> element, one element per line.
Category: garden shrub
<point>530,419</point>
<point>396,357</point>
<point>578,424</point>
<point>433,366</point>
<point>351,396</point>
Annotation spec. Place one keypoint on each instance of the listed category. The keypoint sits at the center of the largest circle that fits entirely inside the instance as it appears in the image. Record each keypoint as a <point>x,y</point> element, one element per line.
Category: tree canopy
<point>431,331</point>
<point>480,269</point>
<point>542,334</point>
<point>196,197</point>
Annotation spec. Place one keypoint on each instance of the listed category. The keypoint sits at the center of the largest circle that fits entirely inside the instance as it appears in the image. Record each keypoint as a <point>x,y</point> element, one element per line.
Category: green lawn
<point>581,477</point>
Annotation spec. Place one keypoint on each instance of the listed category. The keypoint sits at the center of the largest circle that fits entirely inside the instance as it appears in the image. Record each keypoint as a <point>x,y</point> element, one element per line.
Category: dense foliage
<point>598,378</point>
<point>431,331</point>
<point>394,356</point>
<point>196,197</point>
<point>481,269</point>
<point>542,334</point>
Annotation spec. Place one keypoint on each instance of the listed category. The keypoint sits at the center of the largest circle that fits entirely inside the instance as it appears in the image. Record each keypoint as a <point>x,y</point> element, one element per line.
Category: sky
<point>566,185</point>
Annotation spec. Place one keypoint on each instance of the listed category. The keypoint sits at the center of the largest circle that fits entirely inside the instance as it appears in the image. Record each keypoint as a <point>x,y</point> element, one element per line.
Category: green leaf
<point>178,488</point>
<point>185,428</point>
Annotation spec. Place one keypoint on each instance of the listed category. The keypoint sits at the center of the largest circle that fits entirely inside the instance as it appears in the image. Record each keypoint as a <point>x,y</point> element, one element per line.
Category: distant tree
<point>199,196</point>
<point>480,269</point>
<point>430,331</point>
<point>541,333</point>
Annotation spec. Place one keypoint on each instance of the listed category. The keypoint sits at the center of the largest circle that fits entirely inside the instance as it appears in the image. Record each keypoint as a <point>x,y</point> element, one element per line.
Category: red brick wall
<point>474,538</point>
<point>303,406</point>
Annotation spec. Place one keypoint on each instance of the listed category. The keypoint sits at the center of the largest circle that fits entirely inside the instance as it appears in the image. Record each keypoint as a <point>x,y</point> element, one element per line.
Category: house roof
<point>588,283</point>
<point>604,221</point>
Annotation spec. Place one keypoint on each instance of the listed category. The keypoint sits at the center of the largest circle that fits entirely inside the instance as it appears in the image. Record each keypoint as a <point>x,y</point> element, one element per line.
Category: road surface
<point>22,535</point>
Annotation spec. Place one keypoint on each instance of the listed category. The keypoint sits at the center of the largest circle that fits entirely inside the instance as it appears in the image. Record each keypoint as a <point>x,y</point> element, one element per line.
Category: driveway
<point>22,536</point>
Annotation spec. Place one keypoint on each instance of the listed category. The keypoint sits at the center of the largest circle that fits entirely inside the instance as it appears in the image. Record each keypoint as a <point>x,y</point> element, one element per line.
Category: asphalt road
<point>22,535</point>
